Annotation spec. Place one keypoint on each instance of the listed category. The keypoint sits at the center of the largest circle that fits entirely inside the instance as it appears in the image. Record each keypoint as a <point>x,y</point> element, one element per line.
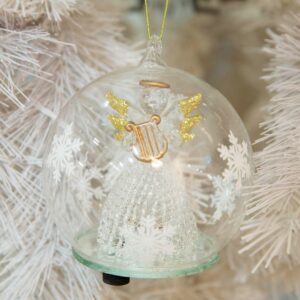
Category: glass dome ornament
<point>144,172</point>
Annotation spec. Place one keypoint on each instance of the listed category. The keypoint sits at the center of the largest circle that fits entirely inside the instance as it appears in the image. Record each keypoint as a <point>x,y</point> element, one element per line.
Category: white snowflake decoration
<point>86,185</point>
<point>236,156</point>
<point>147,243</point>
<point>223,199</point>
<point>226,188</point>
<point>63,150</point>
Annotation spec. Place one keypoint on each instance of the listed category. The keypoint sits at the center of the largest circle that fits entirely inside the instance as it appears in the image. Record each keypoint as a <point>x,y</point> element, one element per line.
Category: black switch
<point>115,280</point>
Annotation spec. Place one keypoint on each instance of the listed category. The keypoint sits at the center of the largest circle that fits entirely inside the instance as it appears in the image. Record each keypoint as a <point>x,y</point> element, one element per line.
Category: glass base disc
<point>86,252</point>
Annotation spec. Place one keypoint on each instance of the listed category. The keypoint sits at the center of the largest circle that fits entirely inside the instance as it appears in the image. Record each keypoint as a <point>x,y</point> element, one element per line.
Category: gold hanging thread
<point>163,24</point>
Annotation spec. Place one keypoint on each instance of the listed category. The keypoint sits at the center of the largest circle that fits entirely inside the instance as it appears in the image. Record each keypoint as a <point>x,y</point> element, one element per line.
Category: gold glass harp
<point>151,144</point>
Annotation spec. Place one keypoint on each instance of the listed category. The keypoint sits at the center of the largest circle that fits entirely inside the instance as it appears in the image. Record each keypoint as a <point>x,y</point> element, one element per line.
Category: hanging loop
<point>163,24</point>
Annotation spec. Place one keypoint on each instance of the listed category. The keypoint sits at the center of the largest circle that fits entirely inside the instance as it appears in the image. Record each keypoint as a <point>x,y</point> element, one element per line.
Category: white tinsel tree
<point>272,228</point>
<point>48,50</point>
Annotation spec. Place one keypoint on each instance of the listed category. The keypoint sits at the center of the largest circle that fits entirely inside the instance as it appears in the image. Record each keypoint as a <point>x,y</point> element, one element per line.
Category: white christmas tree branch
<point>53,9</point>
<point>18,63</point>
<point>272,228</point>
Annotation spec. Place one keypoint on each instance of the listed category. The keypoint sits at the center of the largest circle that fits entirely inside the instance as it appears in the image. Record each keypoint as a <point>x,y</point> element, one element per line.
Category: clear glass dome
<point>144,172</point>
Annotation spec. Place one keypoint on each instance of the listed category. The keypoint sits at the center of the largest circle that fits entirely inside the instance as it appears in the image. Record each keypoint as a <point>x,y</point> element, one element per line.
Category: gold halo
<point>152,83</point>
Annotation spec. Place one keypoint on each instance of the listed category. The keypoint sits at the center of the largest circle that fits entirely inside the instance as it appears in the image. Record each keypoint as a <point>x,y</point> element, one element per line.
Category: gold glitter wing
<point>190,104</point>
<point>119,122</point>
<point>117,104</point>
<point>187,106</point>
